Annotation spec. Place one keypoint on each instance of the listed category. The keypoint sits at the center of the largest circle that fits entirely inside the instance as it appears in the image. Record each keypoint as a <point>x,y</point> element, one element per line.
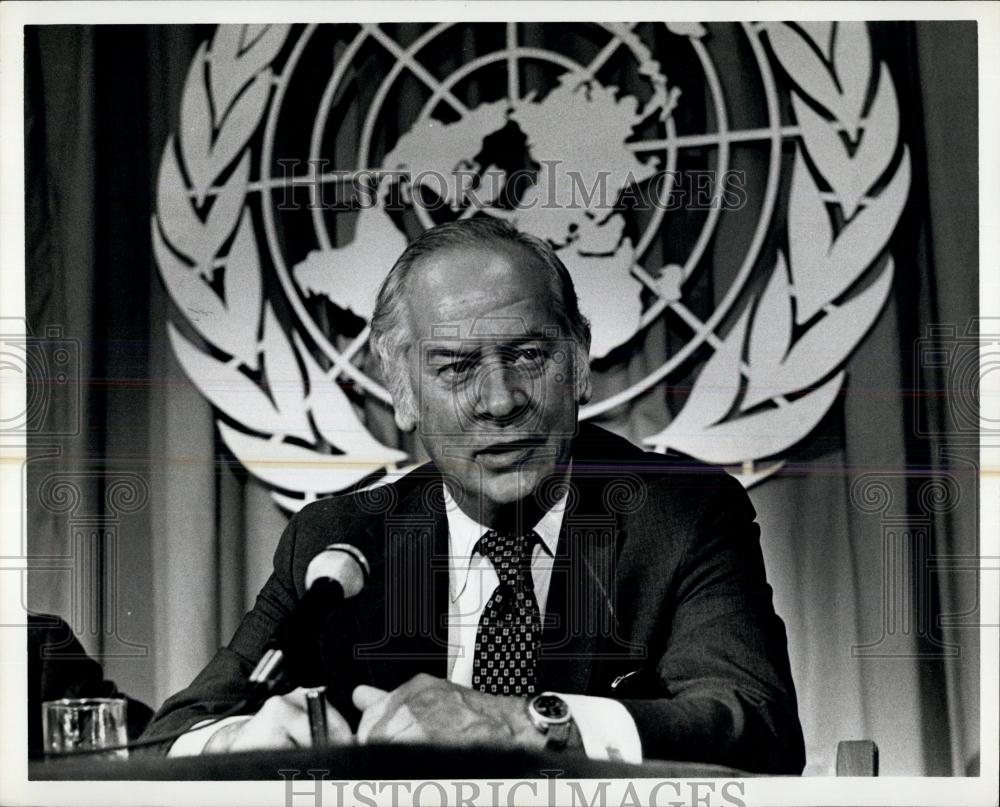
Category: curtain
<point>150,539</point>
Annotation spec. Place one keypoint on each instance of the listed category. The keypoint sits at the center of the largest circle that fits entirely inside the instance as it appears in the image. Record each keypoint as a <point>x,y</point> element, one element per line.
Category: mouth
<point>502,455</point>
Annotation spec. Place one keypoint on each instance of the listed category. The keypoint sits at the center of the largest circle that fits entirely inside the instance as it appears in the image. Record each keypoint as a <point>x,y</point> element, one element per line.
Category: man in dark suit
<point>540,582</point>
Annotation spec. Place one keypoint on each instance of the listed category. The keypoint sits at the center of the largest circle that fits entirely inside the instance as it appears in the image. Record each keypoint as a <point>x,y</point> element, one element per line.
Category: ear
<point>404,407</point>
<point>405,420</point>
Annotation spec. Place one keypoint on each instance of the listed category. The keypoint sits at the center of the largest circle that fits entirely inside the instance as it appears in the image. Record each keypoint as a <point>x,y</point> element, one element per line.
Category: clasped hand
<point>424,709</point>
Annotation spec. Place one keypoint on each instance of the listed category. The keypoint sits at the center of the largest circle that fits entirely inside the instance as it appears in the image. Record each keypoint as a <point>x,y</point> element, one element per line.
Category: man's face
<point>492,371</point>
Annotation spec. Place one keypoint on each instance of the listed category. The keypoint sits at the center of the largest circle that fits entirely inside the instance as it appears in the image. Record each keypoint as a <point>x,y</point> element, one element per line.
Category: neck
<point>520,516</point>
<point>516,518</point>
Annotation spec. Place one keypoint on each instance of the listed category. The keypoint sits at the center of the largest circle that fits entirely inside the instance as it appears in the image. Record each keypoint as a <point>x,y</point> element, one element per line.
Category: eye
<point>528,356</point>
<point>456,369</point>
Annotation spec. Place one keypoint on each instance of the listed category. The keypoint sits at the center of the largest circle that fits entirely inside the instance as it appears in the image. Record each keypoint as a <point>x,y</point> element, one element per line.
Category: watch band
<point>557,736</point>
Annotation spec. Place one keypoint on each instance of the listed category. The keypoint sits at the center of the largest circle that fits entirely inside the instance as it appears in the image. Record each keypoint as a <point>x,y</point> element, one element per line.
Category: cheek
<point>560,395</point>
<point>435,402</point>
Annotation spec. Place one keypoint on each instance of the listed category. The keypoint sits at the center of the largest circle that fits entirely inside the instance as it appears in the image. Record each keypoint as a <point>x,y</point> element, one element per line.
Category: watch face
<point>551,707</point>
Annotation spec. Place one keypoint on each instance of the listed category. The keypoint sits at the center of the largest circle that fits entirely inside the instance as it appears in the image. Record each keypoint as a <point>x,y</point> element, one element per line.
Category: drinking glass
<point>84,724</point>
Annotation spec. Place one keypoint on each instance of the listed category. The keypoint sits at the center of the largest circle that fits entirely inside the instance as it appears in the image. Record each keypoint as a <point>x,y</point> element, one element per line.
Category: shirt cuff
<point>193,742</point>
<point>606,728</point>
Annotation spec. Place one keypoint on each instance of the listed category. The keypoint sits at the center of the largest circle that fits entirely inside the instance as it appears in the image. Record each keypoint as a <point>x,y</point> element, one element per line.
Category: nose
<point>503,395</point>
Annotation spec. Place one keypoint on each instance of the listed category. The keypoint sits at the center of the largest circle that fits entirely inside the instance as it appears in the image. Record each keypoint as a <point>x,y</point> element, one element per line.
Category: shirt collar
<point>464,533</point>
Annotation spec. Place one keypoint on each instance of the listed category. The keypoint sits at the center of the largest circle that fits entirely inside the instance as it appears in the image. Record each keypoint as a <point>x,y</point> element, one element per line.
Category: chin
<point>512,486</point>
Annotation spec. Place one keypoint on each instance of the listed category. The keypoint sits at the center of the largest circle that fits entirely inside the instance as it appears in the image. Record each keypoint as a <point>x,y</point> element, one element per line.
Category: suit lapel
<point>579,613</point>
<point>401,617</point>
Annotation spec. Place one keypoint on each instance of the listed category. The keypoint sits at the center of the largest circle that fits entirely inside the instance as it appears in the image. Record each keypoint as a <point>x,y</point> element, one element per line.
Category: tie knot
<point>507,552</point>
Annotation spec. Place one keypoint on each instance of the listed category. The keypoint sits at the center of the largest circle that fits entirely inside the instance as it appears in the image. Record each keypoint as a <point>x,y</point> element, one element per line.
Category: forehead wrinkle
<point>471,307</point>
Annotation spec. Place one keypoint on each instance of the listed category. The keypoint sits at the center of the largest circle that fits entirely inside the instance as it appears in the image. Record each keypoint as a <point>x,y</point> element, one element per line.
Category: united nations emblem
<point>736,220</point>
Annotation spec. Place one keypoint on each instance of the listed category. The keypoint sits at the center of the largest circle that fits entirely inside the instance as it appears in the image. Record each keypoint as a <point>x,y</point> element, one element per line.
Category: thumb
<point>365,696</point>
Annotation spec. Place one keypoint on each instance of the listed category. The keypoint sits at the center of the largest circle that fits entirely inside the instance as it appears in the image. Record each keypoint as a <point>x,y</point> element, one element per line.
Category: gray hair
<point>390,335</point>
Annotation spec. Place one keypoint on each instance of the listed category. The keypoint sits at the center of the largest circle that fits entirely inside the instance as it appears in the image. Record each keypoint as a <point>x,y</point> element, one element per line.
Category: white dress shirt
<point>606,728</point>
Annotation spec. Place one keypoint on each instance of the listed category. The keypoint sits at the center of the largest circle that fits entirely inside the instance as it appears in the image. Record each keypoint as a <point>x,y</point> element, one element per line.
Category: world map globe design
<point>559,144</point>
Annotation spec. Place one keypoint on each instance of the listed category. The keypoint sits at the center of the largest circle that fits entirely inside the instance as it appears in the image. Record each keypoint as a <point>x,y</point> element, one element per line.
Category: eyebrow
<point>451,353</point>
<point>468,348</point>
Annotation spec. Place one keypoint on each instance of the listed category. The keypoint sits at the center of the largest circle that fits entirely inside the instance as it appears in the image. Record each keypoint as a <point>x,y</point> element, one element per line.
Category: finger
<point>390,703</point>
<point>294,716</point>
<point>259,738</point>
<point>372,715</point>
<point>337,728</point>
<point>274,726</point>
<point>415,732</point>
<point>254,736</point>
<point>365,696</point>
<point>375,706</point>
<point>392,725</point>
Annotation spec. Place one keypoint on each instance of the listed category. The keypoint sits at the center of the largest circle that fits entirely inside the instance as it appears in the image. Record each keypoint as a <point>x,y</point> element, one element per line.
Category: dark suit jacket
<point>658,598</point>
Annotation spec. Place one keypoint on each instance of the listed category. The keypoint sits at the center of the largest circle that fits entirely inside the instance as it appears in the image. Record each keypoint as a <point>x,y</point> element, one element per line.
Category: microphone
<point>336,574</point>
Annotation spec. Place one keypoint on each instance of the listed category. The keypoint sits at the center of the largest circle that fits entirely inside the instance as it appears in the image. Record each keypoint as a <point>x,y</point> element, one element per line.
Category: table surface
<point>371,762</point>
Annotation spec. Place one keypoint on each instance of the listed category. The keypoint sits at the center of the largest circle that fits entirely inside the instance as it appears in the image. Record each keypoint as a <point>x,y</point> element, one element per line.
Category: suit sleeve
<point>723,691</point>
<point>223,683</point>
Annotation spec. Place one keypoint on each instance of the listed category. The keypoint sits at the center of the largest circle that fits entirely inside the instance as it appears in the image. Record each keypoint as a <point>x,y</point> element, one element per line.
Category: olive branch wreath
<point>298,431</point>
<point>819,293</point>
<point>290,408</point>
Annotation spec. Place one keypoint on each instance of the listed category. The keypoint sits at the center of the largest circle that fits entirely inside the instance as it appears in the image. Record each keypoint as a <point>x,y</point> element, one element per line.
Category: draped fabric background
<point>187,537</point>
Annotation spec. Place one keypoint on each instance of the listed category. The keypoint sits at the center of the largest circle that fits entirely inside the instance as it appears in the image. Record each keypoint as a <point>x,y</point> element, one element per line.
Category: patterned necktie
<point>510,628</point>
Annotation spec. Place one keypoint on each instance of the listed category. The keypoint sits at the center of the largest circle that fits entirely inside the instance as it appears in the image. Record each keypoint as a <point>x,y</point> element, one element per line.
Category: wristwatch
<point>550,715</point>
